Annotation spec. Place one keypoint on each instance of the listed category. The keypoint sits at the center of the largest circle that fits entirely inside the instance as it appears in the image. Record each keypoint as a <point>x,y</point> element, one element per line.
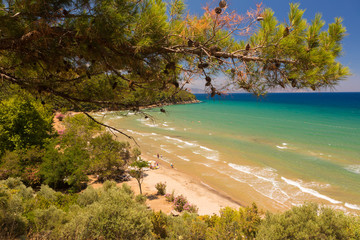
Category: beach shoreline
<point>207,199</point>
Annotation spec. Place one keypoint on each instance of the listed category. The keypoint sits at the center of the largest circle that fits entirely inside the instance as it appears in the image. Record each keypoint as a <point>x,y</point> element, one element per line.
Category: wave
<point>151,125</point>
<point>183,158</point>
<point>205,148</point>
<point>283,146</point>
<point>352,206</point>
<point>310,191</point>
<point>181,141</point>
<point>144,134</point>
<point>207,186</point>
<point>214,156</point>
<point>353,168</point>
<point>162,147</point>
<point>262,180</point>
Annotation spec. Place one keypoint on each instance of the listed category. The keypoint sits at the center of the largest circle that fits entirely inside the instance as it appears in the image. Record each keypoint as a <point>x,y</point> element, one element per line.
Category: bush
<point>13,193</point>
<point>234,223</point>
<point>188,226</point>
<point>170,197</point>
<point>161,188</point>
<point>182,204</point>
<point>140,198</point>
<point>160,222</point>
<point>115,215</point>
<point>87,197</point>
<point>309,221</point>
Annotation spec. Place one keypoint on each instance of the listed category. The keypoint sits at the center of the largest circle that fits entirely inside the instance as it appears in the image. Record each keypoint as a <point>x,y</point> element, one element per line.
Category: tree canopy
<point>55,49</point>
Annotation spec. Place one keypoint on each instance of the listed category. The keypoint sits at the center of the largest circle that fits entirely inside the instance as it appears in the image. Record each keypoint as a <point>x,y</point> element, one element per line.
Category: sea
<point>278,151</point>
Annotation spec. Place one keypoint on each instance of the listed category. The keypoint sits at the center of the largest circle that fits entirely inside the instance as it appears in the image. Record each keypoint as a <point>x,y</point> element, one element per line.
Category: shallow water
<point>279,151</point>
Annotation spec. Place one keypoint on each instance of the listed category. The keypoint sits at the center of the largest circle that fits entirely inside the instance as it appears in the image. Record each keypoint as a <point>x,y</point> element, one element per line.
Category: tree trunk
<point>139,186</point>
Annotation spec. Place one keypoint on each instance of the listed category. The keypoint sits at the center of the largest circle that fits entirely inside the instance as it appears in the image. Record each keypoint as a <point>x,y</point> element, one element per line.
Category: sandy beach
<point>204,197</point>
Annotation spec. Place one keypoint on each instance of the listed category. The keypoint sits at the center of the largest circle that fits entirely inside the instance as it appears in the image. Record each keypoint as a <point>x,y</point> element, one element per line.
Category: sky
<point>349,10</point>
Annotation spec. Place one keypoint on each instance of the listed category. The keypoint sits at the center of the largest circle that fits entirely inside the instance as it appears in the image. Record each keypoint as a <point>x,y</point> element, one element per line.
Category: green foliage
<point>159,221</point>
<point>137,170</point>
<point>140,198</point>
<point>309,221</point>
<point>161,188</point>
<point>126,54</point>
<point>83,149</point>
<point>13,194</point>
<point>195,228</point>
<point>65,169</point>
<point>23,123</point>
<point>115,215</point>
<point>112,212</point>
<point>235,224</point>
<point>170,197</point>
<point>88,196</point>
<point>181,204</point>
<point>22,163</point>
<point>108,157</point>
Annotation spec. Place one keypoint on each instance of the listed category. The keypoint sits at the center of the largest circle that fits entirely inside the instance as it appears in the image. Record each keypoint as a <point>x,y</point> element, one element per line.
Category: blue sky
<point>349,10</point>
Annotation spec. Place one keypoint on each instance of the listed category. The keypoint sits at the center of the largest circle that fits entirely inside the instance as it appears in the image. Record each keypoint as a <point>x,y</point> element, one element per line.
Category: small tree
<point>138,171</point>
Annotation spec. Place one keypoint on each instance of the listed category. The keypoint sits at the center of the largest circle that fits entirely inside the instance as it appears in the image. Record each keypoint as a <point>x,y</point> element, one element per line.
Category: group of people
<point>159,157</point>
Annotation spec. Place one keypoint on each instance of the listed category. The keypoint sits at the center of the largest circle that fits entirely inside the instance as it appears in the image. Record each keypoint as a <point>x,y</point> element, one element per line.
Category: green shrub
<point>161,188</point>
<point>87,197</point>
<point>45,221</point>
<point>170,197</point>
<point>159,221</point>
<point>140,198</point>
<point>188,226</point>
<point>13,193</point>
<point>127,189</point>
<point>309,221</point>
<point>235,224</point>
<point>114,216</point>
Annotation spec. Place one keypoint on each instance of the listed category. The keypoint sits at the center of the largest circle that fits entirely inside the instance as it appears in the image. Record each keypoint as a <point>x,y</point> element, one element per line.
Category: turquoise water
<point>282,150</point>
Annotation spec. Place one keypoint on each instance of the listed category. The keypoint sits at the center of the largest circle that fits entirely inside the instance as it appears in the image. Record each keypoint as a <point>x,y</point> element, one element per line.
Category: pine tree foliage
<point>53,48</point>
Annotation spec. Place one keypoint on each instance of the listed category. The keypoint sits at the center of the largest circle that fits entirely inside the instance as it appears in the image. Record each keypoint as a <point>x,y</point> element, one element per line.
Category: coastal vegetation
<point>125,54</point>
<point>112,212</point>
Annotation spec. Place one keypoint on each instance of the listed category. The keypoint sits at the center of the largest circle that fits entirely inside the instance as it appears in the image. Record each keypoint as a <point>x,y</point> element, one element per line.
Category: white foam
<point>151,125</point>
<point>207,149</point>
<point>183,158</point>
<point>162,147</point>
<point>214,156</point>
<point>144,134</point>
<point>207,185</point>
<point>181,141</point>
<point>310,191</point>
<point>353,168</point>
<point>262,180</point>
<point>352,206</point>
<point>206,165</point>
<point>281,147</point>
<point>170,129</point>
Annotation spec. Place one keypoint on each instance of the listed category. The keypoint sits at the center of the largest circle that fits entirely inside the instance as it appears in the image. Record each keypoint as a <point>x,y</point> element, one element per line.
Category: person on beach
<point>172,166</point>
<point>157,155</point>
